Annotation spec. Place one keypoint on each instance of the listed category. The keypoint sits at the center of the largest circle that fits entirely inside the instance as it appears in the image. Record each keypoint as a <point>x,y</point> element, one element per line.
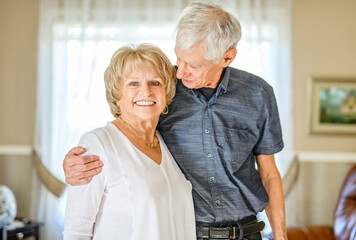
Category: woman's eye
<point>133,83</point>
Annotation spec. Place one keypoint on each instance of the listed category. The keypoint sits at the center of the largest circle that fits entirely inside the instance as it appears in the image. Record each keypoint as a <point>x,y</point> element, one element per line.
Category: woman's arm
<point>83,202</point>
<point>272,182</point>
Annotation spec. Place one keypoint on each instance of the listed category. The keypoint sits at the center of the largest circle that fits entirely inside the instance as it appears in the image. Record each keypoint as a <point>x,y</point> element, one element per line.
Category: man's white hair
<point>218,30</point>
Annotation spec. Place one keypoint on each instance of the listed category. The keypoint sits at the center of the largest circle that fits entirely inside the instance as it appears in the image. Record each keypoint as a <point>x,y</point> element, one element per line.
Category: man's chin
<point>189,84</point>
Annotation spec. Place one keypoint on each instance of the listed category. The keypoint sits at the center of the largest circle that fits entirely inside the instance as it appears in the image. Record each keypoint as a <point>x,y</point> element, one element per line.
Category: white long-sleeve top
<point>133,197</point>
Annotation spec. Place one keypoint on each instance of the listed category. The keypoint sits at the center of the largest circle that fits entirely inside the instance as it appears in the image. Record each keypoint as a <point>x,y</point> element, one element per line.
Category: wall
<point>324,37</point>
<point>318,191</point>
<point>18,49</point>
<point>324,44</point>
<point>16,173</point>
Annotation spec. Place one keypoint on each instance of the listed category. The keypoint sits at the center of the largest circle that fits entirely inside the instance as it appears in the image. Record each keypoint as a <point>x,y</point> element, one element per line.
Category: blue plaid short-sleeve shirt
<point>215,142</point>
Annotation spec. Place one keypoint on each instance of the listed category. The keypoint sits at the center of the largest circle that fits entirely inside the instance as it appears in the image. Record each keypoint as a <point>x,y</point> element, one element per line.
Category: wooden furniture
<point>31,229</point>
<point>2,230</point>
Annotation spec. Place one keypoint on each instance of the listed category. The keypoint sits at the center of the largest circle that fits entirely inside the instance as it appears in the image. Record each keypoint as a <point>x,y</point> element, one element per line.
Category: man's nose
<point>181,71</point>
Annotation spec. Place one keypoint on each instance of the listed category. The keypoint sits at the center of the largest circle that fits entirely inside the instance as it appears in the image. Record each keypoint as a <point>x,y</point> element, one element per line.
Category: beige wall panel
<point>18,69</point>
<point>16,173</point>
<point>324,37</point>
<point>319,185</point>
<point>18,50</point>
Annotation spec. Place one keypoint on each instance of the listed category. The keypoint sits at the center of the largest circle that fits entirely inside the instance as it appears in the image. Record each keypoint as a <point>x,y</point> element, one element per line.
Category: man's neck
<point>215,85</point>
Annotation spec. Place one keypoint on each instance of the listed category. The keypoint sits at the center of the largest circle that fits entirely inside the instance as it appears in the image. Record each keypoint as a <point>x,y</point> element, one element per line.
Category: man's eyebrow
<point>194,64</point>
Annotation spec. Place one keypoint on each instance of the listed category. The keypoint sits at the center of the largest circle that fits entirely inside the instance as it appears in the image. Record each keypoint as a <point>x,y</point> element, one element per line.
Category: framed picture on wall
<point>332,105</point>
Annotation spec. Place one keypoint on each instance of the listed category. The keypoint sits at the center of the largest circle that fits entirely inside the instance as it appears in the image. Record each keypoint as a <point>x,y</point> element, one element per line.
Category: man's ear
<point>229,56</point>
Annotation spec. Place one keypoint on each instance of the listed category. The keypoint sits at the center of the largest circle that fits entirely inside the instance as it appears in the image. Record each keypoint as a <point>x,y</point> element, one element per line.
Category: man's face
<point>195,71</point>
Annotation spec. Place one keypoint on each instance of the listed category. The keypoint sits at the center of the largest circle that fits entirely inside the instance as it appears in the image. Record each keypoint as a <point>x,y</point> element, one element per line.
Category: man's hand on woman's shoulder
<point>78,169</point>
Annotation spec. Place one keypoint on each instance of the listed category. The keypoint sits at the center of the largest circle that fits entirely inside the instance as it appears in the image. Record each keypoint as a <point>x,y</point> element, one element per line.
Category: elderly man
<point>221,122</point>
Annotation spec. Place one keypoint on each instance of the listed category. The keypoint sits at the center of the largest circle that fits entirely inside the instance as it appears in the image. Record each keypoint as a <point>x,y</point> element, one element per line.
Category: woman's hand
<point>78,169</point>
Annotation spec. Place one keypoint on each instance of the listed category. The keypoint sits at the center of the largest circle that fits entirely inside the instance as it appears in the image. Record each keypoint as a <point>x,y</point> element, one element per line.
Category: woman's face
<point>143,95</point>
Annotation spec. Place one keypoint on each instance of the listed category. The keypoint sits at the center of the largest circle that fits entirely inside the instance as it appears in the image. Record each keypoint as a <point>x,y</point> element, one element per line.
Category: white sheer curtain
<point>76,41</point>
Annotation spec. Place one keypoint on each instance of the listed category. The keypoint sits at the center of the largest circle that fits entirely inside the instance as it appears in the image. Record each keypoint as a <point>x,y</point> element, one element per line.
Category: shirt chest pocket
<point>238,145</point>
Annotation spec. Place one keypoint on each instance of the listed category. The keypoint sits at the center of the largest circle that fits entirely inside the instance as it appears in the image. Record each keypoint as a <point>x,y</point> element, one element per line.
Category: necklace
<point>150,145</point>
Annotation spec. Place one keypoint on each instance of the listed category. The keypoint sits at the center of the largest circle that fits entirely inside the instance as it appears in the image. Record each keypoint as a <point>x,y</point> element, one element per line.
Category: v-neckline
<point>136,148</point>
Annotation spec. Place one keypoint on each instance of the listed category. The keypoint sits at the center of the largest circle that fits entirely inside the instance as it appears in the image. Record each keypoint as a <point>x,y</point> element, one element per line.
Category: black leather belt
<point>231,232</point>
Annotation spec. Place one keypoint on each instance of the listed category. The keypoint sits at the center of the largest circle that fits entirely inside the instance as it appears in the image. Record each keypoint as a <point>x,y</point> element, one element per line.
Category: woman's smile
<point>145,103</point>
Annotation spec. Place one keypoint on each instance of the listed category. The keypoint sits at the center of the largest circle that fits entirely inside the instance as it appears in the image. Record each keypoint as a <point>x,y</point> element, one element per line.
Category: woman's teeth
<point>144,103</point>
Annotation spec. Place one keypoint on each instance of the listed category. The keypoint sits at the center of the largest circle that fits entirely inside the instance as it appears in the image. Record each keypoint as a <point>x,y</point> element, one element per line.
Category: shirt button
<point>212,179</point>
<point>209,155</point>
<point>217,202</point>
<point>207,131</point>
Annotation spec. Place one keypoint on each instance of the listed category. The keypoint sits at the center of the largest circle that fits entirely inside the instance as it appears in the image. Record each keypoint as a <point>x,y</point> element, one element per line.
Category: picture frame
<point>332,105</point>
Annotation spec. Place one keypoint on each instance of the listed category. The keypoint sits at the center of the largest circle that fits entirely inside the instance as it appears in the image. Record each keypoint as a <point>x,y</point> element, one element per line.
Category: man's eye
<point>154,83</point>
<point>133,83</point>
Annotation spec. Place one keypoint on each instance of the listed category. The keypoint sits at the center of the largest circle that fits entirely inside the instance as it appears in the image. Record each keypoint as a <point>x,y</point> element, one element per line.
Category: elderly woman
<point>141,193</point>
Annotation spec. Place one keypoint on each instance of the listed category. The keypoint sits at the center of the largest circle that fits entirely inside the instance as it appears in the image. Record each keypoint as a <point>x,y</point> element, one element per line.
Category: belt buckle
<point>219,233</point>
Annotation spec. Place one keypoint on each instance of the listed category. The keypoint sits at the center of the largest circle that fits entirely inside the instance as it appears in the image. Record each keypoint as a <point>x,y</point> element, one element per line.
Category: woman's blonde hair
<point>127,59</point>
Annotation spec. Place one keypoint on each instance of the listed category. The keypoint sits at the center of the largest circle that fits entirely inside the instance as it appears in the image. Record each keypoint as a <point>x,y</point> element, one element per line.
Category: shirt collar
<point>225,80</point>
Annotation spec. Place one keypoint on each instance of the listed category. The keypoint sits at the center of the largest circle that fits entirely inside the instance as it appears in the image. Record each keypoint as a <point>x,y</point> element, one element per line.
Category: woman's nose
<point>146,89</point>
